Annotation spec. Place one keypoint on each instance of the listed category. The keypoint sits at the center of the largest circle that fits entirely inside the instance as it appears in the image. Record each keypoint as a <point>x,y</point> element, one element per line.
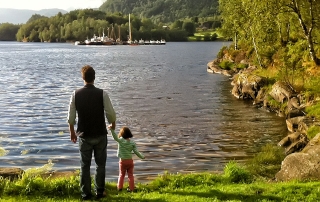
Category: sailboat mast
<point>129,28</point>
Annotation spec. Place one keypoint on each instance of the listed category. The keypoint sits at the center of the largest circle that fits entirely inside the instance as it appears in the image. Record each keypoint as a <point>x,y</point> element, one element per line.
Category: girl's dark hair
<point>125,133</point>
<point>88,73</point>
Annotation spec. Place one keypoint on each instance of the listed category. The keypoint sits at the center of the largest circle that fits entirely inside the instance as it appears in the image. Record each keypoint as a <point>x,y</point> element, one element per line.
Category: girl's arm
<point>135,150</point>
<point>114,135</point>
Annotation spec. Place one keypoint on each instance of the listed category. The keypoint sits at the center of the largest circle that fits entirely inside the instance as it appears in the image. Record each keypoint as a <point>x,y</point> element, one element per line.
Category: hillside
<point>161,10</point>
<point>19,16</point>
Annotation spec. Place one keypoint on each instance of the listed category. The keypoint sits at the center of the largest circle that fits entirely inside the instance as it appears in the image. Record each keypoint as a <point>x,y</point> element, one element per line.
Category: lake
<point>182,118</point>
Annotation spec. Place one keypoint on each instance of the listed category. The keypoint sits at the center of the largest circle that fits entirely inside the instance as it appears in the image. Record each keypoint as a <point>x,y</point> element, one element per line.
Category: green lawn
<point>235,184</point>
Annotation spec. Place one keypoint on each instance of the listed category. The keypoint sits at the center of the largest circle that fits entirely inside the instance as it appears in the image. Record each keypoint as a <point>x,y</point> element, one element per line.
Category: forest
<point>280,33</point>
<point>160,11</point>
<point>112,18</point>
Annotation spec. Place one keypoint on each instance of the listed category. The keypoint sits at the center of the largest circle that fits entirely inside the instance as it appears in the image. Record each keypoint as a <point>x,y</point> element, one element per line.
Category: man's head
<point>88,74</point>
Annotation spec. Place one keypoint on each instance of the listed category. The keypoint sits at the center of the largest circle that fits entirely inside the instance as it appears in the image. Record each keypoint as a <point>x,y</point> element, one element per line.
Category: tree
<point>8,31</point>
<point>307,13</point>
<point>35,17</point>
<point>189,27</point>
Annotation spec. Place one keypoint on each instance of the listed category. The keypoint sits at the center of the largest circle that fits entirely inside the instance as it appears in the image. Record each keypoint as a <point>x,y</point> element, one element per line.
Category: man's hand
<point>73,136</point>
<point>112,126</point>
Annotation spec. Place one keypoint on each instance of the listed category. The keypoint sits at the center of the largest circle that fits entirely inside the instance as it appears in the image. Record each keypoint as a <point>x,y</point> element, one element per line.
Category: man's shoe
<point>101,195</point>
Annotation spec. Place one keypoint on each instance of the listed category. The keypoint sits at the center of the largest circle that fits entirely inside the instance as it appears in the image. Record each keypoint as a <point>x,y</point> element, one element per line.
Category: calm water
<point>182,118</point>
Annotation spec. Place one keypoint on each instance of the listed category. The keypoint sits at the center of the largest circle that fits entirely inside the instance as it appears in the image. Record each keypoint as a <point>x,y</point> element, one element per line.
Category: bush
<point>227,65</point>
<point>313,131</point>
<point>314,110</point>
<point>206,37</point>
<point>242,66</point>
<point>214,37</point>
<point>267,162</point>
<point>235,173</point>
<point>221,52</point>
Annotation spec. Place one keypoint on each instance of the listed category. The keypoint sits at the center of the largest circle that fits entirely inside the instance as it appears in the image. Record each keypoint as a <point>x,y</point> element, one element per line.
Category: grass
<point>236,184</point>
<point>208,35</point>
<point>202,187</point>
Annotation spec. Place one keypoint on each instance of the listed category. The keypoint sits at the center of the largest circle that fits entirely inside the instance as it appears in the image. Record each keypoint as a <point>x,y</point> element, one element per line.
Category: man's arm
<point>108,108</point>
<point>72,118</point>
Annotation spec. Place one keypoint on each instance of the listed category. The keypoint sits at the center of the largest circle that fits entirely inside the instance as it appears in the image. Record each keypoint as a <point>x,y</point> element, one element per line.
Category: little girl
<point>125,148</point>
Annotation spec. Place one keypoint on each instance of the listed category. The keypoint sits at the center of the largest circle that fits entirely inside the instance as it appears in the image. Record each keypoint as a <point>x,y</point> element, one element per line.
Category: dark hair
<point>88,73</point>
<point>125,133</point>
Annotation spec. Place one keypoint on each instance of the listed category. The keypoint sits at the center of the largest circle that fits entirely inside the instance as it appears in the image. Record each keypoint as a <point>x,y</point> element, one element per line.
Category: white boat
<point>163,42</point>
<point>152,42</point>
<point>146,42</point>
<point>141,42</point>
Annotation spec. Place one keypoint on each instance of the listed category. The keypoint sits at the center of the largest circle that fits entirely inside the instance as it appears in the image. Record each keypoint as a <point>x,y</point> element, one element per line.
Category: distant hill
<point>163,10</point>
<point>19,16</point>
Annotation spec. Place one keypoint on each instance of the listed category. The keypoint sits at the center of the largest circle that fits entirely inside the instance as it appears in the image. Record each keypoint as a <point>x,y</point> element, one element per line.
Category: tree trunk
<point>307,32</point>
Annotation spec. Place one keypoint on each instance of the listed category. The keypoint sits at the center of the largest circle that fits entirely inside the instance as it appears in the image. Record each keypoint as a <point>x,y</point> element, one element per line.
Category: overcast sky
<point>45,4</point>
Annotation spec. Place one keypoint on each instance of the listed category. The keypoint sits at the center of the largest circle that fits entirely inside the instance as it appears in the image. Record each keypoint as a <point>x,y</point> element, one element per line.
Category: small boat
<point>146,42</point>
<point>141,42</point>
<point>152,42</point>
<point>162,42</point>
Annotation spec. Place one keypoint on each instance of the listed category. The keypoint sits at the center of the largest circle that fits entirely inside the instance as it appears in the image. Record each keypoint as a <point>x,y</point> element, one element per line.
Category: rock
<point>11,173</point>
<point>294,142</point>
<point>282,91</point>
<point>304,165</point>
<point>261,98</point>
<point>59,174</point>
<point>213,67</point>
<point>293,123</point>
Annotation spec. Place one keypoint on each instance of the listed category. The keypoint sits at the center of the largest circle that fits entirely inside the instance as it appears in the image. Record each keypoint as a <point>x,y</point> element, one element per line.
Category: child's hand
<point>110,126</point>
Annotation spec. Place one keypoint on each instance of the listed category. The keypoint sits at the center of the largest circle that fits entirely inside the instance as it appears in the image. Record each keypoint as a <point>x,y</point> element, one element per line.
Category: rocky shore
<point>302,160</point>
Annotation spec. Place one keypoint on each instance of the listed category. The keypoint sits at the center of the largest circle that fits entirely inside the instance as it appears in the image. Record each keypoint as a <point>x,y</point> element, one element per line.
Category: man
<point>92,106</point>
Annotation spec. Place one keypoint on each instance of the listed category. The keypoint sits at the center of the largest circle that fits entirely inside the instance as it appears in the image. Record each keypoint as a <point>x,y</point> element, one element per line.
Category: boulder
<point>294,142</point>
<point>11,173</point>
<point>304,165</point>
<point>293,123</point>
<point>282,91</point>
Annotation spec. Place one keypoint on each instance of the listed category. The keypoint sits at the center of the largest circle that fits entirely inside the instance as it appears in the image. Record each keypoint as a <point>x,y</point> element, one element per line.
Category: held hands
<point>111,127</point>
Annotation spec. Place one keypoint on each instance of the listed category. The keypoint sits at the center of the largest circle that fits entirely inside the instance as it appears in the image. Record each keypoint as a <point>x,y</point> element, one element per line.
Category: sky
<point>45,4</point>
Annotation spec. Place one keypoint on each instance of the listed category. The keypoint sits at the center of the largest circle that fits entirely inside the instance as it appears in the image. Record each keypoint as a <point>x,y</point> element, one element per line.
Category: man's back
<point>89,105</point>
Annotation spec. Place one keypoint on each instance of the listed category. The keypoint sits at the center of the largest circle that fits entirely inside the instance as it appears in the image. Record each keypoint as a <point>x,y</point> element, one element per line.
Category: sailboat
<point>130,41</point>
<point>130,37</point>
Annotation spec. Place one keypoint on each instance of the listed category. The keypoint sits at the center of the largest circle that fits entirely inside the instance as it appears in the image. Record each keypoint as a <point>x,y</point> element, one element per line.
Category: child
<point>125,147</point>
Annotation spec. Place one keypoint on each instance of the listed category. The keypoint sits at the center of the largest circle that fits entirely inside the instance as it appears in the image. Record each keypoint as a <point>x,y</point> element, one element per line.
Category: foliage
<point>267,162</point>
<point>222,52</point>
<point>189,27</point>
<point>314,110</point>
<point>163,11</point>
<point>35,17</point>
<point>8,31</point>
<point>235,173</point>
<point>269,26</point>
<point>227,65</point>
<point>313,131</point>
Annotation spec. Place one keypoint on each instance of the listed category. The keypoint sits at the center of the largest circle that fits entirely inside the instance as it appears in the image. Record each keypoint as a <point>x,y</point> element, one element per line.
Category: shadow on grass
<point>230,196</point>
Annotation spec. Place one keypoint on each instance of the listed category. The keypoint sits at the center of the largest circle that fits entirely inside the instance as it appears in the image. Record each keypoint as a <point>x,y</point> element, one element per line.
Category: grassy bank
<point>235,184</point>
<point>238,182</point>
